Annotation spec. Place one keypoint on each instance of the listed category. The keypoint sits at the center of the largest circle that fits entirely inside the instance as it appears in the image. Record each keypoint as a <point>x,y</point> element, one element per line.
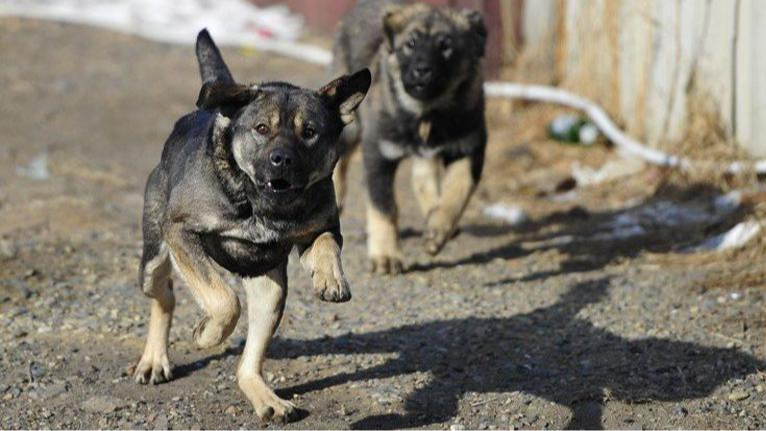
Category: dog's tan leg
<point>383,242</point>
<point>208,287</point>
<point>457,187</point>
<point>322,258</point>
<point>425,183</point>
<point>154,365</point>
<point>265,302</point>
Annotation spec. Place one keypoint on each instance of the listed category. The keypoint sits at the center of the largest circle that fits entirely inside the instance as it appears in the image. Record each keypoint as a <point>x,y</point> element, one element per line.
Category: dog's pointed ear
<point>220,94</point>
<point>211,64</point>
<point>477,29</point>
<point>394,21</point>
<point>346,93</point>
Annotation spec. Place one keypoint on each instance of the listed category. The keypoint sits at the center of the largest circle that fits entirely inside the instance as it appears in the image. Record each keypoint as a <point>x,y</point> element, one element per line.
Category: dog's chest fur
<point>402,133</point>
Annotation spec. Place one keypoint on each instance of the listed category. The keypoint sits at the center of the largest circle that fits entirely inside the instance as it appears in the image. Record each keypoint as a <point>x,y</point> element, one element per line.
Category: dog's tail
<point>211,64</point>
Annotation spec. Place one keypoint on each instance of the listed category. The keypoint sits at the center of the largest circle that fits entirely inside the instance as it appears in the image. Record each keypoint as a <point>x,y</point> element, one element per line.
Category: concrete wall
<point>656,65</point>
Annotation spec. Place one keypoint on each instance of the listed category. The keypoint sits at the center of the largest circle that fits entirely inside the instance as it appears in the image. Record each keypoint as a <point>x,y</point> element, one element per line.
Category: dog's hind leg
<point>265,303</point>
<point>154,365</point>
<point>425,183</point>
<point>197,270</point>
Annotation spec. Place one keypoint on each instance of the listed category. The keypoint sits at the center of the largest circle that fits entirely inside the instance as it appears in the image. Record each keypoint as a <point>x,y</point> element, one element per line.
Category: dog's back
<point>360,35</point>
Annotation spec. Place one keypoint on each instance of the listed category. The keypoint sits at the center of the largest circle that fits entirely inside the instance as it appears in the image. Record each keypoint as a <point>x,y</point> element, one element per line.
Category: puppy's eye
<point>308,132</point>
<point>262,129</point>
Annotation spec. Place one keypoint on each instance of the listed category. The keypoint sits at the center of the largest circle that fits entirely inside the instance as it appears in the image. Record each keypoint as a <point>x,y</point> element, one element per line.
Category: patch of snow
<point>231,22</point>
<point>511,214</point>
<point>37,169</point>
<point>735,237</point>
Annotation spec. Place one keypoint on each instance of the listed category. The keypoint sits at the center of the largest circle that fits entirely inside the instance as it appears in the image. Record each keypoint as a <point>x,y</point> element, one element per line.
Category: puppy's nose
<point>422,71</point>
<point>281,157</point>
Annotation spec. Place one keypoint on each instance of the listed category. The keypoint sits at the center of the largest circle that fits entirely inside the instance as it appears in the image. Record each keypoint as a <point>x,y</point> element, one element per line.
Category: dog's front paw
<point>153,367</point>
<point>330,288</point>
<point>268,406</point>
<point>387,265</point>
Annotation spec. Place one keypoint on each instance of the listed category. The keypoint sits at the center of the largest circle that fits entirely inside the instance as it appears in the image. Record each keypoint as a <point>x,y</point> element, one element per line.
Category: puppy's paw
<point>153,367</point>
<point>438,232</point>
<point>387,265</point>
<point>268,406</point>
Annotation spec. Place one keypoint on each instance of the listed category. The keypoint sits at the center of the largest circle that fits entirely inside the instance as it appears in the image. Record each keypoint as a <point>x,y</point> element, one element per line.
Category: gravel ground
<point>508,328</point>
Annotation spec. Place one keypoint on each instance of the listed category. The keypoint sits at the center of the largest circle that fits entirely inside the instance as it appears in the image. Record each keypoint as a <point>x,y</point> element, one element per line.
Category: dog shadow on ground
<point>549,353</point>
<point>582,235</point>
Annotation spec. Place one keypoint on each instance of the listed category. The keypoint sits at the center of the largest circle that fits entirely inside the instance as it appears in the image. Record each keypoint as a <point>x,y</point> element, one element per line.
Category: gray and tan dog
<point>242,181</point>
<point>426,102</point>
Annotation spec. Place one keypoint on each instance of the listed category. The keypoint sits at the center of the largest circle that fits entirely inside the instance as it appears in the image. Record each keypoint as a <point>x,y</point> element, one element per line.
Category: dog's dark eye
<point>309,132</point>
<point>262,129</point>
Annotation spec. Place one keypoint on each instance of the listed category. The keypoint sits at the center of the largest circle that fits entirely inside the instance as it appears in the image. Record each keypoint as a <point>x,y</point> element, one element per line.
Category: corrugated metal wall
<point>658,64</point>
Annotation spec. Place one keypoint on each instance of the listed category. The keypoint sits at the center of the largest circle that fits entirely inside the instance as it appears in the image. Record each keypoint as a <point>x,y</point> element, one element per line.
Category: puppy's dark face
<point>433,47</point>
<point>284,138</point>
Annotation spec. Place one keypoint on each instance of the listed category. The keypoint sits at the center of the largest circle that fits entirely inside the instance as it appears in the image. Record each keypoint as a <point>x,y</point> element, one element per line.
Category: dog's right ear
<point>211,64</point>
<point>219,94</point>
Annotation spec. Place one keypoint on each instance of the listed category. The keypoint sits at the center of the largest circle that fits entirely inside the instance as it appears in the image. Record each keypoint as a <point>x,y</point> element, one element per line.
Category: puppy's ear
<point>220,94</point>
<point>346,93</point>
<point>394,21</point>
<point>477,29</point>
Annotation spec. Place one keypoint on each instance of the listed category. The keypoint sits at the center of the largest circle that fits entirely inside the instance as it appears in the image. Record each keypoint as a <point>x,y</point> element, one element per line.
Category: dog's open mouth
<point>279,185</point>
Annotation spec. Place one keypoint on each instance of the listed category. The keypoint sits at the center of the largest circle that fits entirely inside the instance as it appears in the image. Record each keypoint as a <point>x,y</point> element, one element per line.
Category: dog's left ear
<point>346,93</point>
<point>477,28</point>
<point>220,94</point>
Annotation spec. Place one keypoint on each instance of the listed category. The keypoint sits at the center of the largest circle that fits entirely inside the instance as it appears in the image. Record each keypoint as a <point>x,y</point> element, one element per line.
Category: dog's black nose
<point>422,71</point>
<point>281,157</point>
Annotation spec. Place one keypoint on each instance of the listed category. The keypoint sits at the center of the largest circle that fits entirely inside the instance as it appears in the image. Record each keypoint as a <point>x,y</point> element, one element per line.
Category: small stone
<point>456,427</point>
<point>738,395</point>
<point>102,404</point>
<point>8,249</point>
<point>680,411</point>
<point>231,411</point>
<point>161,423</point>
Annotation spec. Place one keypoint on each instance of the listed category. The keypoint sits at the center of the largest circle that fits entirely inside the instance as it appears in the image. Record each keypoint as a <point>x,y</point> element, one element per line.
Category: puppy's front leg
<point>265,302</point>
<point>322,258</point>
<point>382,231</point>
<point>459,183</point>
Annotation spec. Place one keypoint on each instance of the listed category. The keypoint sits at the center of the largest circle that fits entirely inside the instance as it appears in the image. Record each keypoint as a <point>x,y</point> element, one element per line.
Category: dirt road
<point>546,325</point>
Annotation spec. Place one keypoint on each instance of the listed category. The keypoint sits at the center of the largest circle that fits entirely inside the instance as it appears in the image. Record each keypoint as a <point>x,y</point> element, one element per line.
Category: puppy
<point>243,180</point>
<point>426,102</point>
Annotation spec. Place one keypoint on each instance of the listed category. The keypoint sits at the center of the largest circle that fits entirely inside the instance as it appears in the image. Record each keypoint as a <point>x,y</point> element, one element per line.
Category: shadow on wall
<point>549,353</point>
